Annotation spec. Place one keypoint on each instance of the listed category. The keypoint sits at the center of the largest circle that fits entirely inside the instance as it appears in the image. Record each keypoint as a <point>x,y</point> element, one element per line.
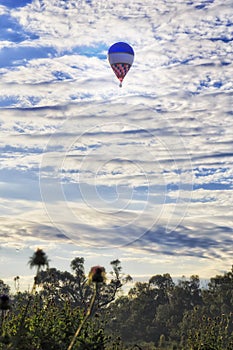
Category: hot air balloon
<point>120,57</point>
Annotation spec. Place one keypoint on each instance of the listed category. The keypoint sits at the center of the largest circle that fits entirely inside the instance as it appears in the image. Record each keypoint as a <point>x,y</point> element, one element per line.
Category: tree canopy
<point>74,310</point>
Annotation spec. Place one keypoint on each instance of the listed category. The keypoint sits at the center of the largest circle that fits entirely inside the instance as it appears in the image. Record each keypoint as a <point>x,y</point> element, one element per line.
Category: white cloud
<point>107,163</point>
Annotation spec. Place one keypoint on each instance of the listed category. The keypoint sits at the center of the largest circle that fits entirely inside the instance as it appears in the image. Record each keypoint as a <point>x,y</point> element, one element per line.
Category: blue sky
<point>141,173</point>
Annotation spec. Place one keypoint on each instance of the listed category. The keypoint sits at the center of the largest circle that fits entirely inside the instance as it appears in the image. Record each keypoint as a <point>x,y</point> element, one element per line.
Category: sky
<point>141,173</point>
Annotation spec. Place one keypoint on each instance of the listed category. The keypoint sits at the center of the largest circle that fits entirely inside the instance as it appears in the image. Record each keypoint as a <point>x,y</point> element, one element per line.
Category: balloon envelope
<point>120,56</point>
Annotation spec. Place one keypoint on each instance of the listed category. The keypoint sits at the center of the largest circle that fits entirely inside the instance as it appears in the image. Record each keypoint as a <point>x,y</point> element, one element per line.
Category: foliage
<point>63,313</point>
<point>70,310</point>
<point>178,315</point>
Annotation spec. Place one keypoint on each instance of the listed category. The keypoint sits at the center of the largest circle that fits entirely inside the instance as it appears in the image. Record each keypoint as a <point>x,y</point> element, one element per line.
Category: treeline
<point>70,310</point>
<point>182,315</point>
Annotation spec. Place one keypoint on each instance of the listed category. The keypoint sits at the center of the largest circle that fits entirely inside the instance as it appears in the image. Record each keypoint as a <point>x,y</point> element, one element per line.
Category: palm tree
<point>39,259</point>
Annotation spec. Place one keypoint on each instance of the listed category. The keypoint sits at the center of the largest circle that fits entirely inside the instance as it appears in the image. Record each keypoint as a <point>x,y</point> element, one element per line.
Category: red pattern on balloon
<point>120,69</point>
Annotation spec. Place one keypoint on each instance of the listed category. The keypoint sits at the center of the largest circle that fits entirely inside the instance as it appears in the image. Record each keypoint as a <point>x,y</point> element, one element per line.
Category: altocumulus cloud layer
<point>146,168</point>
